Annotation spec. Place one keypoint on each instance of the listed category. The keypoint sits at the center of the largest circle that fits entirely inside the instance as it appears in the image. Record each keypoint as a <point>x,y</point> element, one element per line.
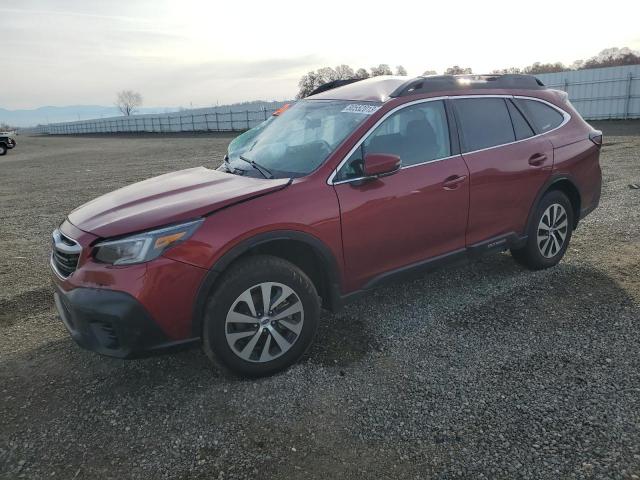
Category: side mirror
<point>380,164</point>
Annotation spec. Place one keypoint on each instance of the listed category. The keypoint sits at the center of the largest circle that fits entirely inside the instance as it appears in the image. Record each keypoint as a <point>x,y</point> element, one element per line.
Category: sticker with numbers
<point>360,108</point>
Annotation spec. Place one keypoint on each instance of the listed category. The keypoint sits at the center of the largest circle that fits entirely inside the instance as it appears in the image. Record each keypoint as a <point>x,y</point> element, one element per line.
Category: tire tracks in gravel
<point>24,305</point>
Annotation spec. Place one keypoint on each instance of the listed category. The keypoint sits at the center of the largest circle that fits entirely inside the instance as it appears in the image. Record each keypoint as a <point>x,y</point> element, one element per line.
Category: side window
<point>543,116</point>
<point>417,134</point>
<point>521,127</point>
<point>484,123</point>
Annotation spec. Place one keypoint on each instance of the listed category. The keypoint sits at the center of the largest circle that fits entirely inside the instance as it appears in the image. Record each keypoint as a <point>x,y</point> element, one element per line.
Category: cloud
<point>73,52</point>
<point>175,52</point>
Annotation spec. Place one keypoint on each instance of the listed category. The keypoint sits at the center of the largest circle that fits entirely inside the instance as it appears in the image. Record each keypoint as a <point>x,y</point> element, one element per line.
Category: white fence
<point>600,93</point>
<point>215,119</point>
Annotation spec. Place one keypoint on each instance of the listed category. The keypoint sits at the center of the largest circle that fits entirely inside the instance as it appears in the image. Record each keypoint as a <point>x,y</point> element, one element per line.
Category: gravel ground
<point>480,371</point>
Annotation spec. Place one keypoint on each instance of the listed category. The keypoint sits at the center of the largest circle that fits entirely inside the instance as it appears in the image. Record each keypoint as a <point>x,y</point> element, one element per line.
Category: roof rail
<point>333,84</point>
<point>437,83</point>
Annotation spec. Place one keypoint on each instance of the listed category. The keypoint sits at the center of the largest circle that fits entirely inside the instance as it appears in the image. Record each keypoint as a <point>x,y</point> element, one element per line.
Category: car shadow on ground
<point>364,326</point>
<point>487,320</point>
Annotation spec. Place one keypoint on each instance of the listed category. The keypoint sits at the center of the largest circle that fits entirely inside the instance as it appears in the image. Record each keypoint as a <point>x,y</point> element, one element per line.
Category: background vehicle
<point>348,189</point>
<point>6,143</point>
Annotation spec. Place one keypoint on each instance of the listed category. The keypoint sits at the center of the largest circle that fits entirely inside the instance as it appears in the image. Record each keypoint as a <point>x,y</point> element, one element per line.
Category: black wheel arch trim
<point>555,178</point>
<point>330,264</point>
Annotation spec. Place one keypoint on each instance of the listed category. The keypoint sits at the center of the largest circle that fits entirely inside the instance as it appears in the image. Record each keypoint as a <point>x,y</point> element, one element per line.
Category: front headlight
<point>143,247</point>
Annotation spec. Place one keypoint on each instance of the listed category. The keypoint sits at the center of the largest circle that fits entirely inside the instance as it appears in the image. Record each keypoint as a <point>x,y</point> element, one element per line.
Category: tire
<point>3,149</point>
<point>545,246</point>
<point>279,339</point>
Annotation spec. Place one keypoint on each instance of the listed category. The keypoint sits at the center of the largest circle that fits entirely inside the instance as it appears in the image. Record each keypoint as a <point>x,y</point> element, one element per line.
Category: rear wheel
<point>3,149</point>
<point>262,317</point>
<point>549,233</point>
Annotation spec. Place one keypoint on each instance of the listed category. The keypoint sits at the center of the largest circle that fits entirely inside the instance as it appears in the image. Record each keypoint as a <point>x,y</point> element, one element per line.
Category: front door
<point>417,213</point>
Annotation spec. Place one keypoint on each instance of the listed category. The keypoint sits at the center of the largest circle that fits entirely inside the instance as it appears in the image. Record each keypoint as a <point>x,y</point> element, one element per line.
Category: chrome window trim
<point>566,118</point>
<point>565,115</point>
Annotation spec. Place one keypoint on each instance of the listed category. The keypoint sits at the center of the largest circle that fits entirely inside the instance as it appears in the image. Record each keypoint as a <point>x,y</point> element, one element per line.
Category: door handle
<point>537,159</point>
<point>452,182</point>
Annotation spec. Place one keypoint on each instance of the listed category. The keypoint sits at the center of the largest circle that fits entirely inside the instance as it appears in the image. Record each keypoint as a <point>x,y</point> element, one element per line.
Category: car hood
<point>167,199</point>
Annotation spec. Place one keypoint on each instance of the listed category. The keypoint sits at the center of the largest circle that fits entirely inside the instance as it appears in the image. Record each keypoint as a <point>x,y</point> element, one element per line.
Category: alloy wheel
<point>264,322</point>
<point>552,230</point>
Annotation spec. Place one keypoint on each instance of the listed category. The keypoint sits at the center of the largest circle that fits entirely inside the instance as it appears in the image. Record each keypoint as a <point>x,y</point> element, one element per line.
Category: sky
<point>204,52</point>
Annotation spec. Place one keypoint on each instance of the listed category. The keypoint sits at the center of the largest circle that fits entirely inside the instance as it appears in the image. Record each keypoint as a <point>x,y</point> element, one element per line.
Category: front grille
<point>65,263</point>
<point>65,253</point>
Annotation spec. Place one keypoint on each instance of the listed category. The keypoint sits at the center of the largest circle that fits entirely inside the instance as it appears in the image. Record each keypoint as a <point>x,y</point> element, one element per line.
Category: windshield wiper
<point>263,170</point>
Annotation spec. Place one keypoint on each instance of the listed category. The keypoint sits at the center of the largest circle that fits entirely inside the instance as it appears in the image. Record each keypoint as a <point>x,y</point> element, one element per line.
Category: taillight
<point>596,137</point>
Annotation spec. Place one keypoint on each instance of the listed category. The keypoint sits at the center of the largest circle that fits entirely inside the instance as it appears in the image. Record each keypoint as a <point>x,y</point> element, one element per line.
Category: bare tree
<point>127,101</point>
<point>400,70</point>
<point>613,57</point>
<point>426,73</point>
<point>609,57</point>
<point>538,67</point>
<point>382,69</point>
<point>456,70</point>
<point>577,65</point>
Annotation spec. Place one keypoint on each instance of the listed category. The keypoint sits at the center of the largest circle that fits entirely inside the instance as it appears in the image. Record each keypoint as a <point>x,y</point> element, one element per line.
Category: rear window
<point>543,116</point>
<point>484,122</point>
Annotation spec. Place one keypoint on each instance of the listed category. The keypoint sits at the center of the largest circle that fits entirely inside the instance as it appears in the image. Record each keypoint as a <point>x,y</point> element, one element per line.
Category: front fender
<point>329,263</point>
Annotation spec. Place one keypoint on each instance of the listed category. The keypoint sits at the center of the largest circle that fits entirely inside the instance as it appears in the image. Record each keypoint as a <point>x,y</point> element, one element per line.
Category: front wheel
<point>3,149</point>
<point>549,233</point>
<point>262,317</point>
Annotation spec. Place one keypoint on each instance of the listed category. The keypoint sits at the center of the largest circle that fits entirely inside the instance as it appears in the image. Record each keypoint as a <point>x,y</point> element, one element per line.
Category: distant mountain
<point>43,115</point>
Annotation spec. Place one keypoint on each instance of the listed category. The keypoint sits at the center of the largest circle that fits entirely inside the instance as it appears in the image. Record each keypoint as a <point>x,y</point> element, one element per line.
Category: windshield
<point>305,135</point>
<point>239,143</point>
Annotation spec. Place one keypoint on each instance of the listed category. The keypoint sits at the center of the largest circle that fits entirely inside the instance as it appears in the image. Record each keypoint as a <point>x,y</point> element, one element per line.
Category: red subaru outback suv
<point>347,189</point>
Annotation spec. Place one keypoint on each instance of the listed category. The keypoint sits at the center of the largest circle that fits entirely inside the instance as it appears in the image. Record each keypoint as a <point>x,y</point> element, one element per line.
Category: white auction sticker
<point>360,108</point>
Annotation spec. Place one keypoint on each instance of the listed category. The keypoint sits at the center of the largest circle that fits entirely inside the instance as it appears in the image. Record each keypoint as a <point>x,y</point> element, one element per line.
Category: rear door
<point>508,165</point>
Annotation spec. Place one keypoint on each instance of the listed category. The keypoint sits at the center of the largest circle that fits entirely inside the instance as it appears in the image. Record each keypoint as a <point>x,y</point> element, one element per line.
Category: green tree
<point>457,70</point>
<point>400,70</point>
<point>382,69</point>
<point>504,71</point>
<point>344,72</point>
<point>307,84</point>
<point>362,73</point>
